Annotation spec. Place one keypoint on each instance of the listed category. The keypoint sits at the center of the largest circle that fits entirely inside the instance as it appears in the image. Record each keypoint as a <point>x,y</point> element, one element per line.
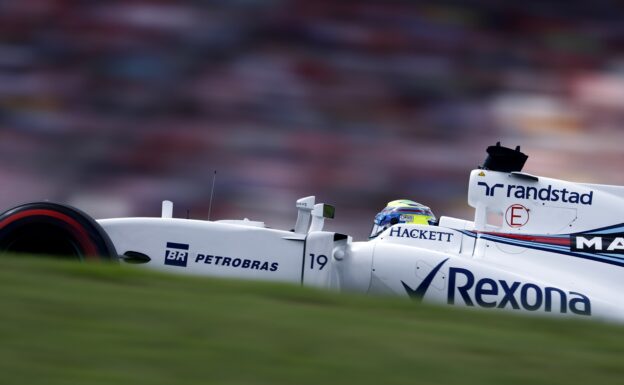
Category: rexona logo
<point>464,289</point>
<point>176,254</point>
<point>546,194</point>
<point>611,243</point>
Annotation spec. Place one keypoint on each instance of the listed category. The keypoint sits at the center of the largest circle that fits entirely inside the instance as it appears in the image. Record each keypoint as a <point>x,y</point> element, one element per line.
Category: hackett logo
<point>545,194</point>
<point>440,236</point>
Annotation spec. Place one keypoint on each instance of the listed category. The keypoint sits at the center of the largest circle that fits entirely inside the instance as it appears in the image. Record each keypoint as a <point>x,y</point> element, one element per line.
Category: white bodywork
<point>536,245</point>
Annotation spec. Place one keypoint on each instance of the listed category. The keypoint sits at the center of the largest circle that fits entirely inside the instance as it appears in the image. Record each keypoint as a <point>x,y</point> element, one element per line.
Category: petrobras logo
<point>464,288</point>
<point>545,194</point>
<point>242,263</point>
<point>176,254</point>
<point>608,243</point>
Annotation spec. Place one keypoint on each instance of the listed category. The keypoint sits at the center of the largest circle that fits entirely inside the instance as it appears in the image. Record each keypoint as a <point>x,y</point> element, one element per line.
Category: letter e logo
<point>517,216</point>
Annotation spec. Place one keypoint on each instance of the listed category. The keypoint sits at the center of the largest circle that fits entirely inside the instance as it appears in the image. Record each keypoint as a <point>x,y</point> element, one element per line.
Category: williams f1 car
<point>535,245</point>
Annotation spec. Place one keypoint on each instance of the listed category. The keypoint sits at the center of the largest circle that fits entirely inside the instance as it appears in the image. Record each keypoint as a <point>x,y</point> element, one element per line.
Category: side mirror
<point>329,211</point>
<point>320,212</point>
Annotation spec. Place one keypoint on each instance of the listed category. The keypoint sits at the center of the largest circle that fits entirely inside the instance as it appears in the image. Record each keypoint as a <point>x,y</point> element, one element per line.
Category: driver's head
<point>402,211</point>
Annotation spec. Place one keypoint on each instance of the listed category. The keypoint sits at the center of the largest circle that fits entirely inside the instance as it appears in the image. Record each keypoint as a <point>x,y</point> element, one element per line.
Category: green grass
<point>69,323</point>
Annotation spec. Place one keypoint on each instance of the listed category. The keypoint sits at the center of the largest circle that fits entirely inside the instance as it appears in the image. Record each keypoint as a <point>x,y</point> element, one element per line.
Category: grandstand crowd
<point>116,105</point>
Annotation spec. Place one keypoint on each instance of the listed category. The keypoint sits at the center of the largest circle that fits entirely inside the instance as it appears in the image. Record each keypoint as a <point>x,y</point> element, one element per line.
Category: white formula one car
<point>536,245</point>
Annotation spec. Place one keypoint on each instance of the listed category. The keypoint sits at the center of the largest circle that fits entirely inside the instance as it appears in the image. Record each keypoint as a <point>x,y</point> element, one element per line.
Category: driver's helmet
<point>402,211</point>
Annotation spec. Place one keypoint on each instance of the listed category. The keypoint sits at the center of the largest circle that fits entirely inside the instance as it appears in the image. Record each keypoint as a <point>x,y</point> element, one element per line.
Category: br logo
<point>176,254</point>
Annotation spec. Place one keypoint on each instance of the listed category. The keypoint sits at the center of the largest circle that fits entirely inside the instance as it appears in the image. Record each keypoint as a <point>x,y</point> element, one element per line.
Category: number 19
<point>320,260</point>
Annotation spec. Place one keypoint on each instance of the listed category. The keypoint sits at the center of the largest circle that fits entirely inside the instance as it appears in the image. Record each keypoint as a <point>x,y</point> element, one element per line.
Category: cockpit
<point>402,211</point>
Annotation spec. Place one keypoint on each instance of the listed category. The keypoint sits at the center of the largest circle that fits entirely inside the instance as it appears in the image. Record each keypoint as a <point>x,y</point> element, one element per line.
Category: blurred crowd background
<point>114,106</point>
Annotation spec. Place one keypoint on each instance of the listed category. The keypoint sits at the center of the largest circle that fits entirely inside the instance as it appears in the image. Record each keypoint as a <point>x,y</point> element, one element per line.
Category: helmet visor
<point>376,230</point>
<point>379,225</point>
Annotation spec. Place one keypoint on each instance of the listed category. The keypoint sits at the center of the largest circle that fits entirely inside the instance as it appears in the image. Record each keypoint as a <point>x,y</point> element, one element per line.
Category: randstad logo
<point>464,289</point>
<point>489,191</point>
<point>546,194</point>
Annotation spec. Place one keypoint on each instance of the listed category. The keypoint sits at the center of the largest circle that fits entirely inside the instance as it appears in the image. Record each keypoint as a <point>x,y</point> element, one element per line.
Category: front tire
<point>53,229</point>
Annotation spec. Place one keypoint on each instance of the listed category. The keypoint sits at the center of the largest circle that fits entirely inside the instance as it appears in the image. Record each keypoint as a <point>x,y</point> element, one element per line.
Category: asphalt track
<point>69,323</point>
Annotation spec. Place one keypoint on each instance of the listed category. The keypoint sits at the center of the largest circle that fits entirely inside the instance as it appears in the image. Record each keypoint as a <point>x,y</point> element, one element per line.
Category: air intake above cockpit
<point>504,159</point>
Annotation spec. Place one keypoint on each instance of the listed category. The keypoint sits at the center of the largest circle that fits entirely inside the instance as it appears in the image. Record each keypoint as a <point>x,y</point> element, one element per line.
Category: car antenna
<point>214,179</point>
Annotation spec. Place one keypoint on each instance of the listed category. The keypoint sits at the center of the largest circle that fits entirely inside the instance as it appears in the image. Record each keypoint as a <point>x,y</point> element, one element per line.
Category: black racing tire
<point>54,229</point>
